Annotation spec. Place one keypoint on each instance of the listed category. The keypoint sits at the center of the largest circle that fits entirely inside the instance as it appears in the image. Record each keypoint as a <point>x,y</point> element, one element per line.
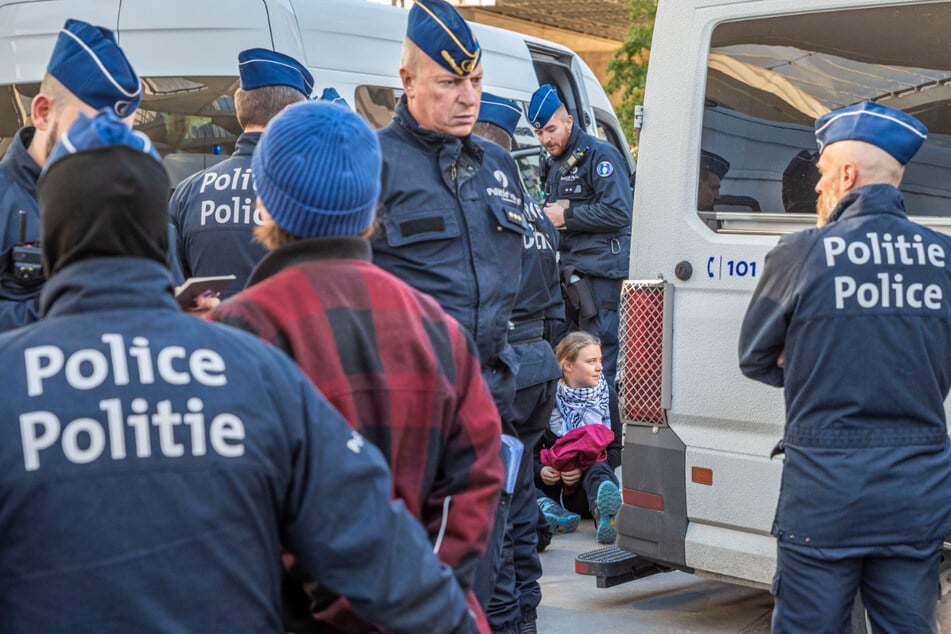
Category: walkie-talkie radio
<point>572,161</point>
<point>26,262</point>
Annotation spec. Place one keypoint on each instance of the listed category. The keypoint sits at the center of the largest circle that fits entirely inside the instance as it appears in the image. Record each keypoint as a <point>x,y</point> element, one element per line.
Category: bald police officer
<point>153,463</point>
<point>213,211</point>
<point>87,71</point>
<point>853,320</point>
<point>452,223</point>
<point>588,197</point>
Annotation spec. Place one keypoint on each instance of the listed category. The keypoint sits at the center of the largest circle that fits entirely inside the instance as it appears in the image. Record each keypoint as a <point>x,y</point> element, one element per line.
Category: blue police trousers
<point>815,588</point>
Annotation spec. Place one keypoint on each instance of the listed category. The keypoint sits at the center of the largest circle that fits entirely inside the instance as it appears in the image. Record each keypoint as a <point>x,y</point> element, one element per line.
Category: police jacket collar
<point>301,251</point>
<point>870,199</point>
<point>113,283</point>
<point>437,141</point>
<point>246,143</point>
<point>573,139</point>
<point>18,162</point>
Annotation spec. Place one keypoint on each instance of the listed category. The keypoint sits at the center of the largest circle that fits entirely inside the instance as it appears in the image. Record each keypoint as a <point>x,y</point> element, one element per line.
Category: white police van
<point>744,80</point>
<point>186,53</point>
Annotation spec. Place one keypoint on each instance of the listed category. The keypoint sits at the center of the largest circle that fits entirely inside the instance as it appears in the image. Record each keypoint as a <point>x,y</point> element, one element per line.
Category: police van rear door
<point>746,81</point>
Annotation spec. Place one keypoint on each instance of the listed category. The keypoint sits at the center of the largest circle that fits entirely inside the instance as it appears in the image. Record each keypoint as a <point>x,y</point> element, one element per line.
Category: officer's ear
<point>407,78</point>
<point>569,121</point>
<point>41,111</point>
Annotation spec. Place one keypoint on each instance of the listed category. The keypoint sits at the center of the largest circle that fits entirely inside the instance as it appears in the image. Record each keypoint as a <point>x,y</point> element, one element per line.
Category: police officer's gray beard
<point>825,204</point>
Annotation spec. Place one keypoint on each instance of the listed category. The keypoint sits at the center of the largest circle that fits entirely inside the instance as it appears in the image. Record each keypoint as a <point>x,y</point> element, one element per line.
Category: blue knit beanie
<point>317,170</point>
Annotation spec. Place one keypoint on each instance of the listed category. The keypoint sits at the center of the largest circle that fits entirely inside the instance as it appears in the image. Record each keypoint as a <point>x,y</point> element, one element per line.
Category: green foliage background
<point>628,69</point>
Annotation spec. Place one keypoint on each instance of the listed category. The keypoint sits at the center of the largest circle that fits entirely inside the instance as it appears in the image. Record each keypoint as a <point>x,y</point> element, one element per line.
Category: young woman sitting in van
<point>576,458</point>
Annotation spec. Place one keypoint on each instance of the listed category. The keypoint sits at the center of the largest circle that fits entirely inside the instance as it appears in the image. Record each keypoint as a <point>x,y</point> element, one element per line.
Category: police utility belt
<point>527,330</point>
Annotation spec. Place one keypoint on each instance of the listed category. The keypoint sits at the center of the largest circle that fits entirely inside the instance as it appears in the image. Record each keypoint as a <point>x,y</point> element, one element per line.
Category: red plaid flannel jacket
<point>399,369</point>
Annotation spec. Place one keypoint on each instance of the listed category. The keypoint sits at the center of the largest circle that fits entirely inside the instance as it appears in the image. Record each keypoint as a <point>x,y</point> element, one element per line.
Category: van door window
<point>769,79</point>
<point>190,120</point>
<point>377,104</point>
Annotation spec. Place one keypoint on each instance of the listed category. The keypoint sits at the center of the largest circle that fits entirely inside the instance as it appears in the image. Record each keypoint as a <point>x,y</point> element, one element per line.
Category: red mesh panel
<point>640,366</point>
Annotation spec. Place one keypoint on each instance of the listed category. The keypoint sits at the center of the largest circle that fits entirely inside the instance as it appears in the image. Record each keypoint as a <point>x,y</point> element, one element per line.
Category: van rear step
<point>613,566</point>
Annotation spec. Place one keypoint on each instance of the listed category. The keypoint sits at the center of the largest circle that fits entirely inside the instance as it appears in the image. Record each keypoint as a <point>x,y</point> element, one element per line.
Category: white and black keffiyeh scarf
<point>580,406</point>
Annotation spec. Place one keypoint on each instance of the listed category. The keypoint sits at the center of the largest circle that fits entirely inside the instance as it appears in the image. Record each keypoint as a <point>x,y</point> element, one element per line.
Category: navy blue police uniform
<point>18,175</point>
<point>860,310</point>
<point>214,211</point>
<point>455,231</point>
<point>537,312</point>
<point>592,176</point>
<point>214,216</point>
<point>452,226</point>
<point>88,62</point>
<point>160,462</point>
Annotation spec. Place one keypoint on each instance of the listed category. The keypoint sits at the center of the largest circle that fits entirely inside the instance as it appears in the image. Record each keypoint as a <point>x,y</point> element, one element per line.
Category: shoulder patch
<point>605,169</point>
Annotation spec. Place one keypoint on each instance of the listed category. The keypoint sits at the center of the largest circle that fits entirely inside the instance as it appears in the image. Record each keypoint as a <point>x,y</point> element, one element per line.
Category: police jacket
<point>862,310</point>
<point>597,233</point>
<point>539,308</point>
<point>214,216</point>
<point>18,176</point>
<point>158,460</point>
<point>452,226</point>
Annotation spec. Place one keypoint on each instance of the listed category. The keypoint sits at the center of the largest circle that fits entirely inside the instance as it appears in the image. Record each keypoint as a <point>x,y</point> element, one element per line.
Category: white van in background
<point>744,80</point>
<point>186,53</point>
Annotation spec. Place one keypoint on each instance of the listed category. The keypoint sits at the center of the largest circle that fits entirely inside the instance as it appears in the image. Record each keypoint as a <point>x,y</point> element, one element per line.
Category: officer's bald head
<point>847,165</point>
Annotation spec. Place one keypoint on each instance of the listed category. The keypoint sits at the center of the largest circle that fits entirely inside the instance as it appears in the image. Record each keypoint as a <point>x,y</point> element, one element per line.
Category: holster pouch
<point>581,305</point>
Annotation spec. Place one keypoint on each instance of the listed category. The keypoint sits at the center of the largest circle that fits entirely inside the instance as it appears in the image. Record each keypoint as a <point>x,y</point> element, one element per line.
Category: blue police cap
<point>715,163</point>
<point>330,94</point>
<point>260,67</point>
<point>103,130</point>
<point>438,29</point>
<point>543,105</point>
<point>499,111</point>
<point>894,131</point>
<point>88,61</point>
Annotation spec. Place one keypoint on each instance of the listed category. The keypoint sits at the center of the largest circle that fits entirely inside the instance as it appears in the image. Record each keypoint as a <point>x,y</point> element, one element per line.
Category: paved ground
<point>665,603</point>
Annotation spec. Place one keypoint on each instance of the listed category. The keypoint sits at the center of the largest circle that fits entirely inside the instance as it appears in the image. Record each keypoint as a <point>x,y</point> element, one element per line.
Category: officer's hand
<point>550,476</point>
<point>204,304</point>
<point>781,359</point>
<point>570,478</point>
<point>555,213</point>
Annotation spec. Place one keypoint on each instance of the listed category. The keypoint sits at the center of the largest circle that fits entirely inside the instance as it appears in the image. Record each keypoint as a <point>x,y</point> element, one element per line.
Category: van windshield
<point>769,79</point>
<point>190,120</point>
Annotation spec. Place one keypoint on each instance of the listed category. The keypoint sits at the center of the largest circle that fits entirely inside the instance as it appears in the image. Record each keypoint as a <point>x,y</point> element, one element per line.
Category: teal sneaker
<point>608,503</point>
<point>560,519</point>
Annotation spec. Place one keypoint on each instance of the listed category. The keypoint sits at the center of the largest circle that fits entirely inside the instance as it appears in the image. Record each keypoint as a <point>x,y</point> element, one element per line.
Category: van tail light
<point>643,370</point>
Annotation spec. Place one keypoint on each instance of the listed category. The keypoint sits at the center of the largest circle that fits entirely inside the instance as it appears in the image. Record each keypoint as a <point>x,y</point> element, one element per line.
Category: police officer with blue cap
<point>588,196</point>
<point>87,71</point>
<point>160,462</point>
<point>538,313</point>
<point>451,221</point>
<point>213,211</point>
<point>853,320</point>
